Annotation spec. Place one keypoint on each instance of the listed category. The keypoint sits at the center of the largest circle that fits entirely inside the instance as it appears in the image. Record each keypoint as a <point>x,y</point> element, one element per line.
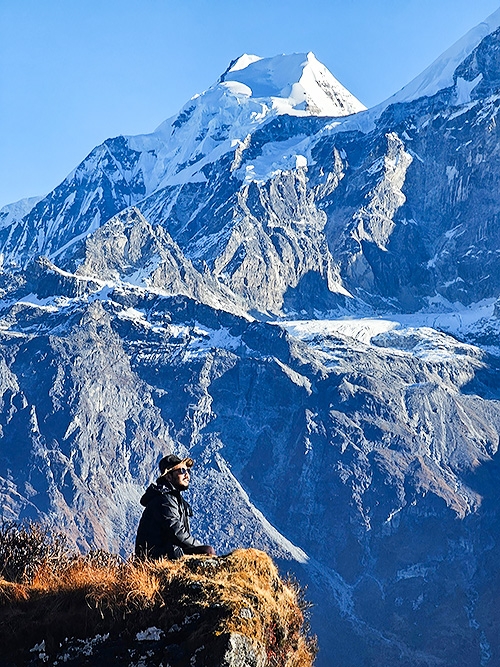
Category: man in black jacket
<point>164,526</point>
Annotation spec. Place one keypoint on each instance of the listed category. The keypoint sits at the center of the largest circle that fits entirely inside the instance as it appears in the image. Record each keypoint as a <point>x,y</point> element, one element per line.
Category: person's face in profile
<point>180,477</point>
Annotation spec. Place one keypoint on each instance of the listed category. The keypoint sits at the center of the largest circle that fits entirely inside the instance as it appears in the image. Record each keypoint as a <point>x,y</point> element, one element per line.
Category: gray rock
<point>242,653</point>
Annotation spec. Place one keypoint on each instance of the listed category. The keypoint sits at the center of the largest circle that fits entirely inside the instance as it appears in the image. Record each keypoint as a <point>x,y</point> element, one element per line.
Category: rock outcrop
<point>232,611</point>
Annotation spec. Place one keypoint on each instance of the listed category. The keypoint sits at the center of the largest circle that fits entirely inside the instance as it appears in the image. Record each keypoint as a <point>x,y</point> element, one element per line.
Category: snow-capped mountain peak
<point>247,287</point>
<point>298,84</point>
<point>251,92</point>
<point>253,89</point>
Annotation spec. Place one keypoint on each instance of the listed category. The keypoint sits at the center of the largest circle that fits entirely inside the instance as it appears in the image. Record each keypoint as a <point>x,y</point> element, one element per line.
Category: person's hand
<point>208,550</point>
<point>203,550</point>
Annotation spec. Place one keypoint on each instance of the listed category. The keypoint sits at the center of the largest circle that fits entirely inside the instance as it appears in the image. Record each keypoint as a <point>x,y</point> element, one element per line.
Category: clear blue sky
<point>75,72</point>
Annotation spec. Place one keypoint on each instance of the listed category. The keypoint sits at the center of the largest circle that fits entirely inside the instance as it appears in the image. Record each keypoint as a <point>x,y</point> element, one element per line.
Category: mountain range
<point>304,296</point>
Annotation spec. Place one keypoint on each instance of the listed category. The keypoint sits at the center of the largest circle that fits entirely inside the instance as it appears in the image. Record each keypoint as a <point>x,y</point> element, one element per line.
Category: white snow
<point>275,157</point>
<point>252,92</point>
<point>12,213</point>
<point>198,339</point>
<point>363,329</point>
<point>237,88</point>
<point>297,84</point>
<point>33,300</point>
<point>203,339</point>
<point>132,314</point>
<point>423,329</point>
<point>464,89</point>
<point>439,74</point>
<point>243,61</point>
<point>67,245</point>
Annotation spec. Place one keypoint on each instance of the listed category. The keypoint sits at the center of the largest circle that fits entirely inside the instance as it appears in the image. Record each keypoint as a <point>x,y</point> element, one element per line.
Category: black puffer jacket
<point>164,525</point>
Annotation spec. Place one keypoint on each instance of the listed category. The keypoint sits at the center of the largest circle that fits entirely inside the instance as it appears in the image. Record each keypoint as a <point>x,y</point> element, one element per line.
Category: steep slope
<point>305,215</point>
<point>441,73</point>
<point>336,451</point>
<point>122,171</point>
<point>277,204</point>
<point>423,230</point>
<point>128,248</point>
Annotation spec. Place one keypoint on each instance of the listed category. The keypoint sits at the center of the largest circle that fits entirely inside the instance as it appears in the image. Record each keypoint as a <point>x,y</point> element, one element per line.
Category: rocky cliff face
<point>396,216</point>
<point>361,453</point>
<point>365,466</point>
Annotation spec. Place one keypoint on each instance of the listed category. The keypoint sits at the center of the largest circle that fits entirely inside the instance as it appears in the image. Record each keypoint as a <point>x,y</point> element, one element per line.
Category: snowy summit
<point>297,84</point>
<point>251,92</point>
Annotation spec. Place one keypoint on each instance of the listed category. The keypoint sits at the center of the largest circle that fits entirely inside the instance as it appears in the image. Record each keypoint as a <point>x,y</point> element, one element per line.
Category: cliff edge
<point>231,611</point>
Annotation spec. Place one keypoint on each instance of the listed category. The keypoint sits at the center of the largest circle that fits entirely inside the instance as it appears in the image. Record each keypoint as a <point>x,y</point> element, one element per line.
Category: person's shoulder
<point>153,493</point>
<point>166,492</point>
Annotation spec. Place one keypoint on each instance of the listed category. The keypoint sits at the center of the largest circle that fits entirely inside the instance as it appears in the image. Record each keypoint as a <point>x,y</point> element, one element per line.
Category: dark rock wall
<point>371,459</point>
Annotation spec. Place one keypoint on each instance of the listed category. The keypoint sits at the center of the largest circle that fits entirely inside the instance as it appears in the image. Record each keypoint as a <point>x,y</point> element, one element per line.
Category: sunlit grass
<point>99,593</point>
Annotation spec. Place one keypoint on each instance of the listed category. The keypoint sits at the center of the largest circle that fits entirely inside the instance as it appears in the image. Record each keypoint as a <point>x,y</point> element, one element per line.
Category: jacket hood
<point>155,490</point>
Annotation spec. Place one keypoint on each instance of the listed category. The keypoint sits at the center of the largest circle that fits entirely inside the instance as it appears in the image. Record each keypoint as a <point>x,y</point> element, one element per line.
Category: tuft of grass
<point>194,601</point>
<point>24,548</point>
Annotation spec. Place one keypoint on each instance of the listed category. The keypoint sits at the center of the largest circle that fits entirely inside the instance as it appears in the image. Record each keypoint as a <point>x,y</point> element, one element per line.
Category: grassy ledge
<point>200,611</point>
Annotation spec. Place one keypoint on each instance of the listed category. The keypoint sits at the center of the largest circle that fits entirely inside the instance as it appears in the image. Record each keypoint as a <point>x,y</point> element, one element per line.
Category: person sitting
<point>164,526</point>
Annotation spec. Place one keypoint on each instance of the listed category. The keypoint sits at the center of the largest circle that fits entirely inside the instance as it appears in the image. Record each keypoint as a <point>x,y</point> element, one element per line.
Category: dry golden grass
<point>240,593</point>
